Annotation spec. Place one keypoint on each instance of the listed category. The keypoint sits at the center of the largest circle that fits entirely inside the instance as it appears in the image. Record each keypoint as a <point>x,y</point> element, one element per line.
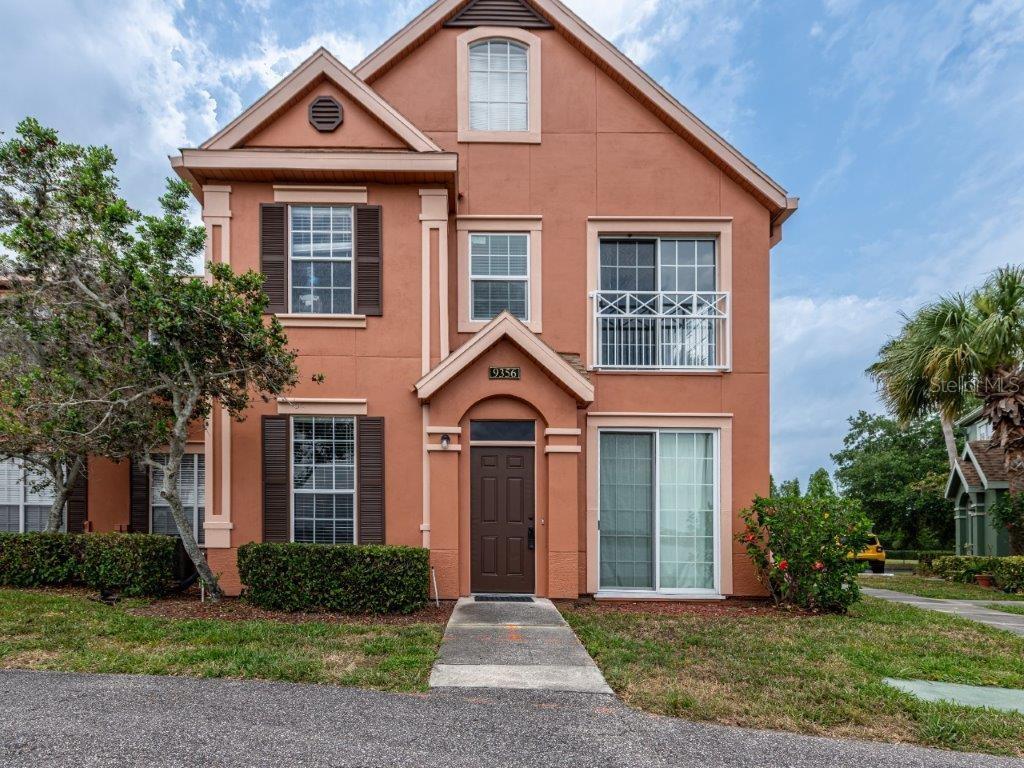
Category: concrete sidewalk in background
<point>975,610</point>
<point>514,645</point>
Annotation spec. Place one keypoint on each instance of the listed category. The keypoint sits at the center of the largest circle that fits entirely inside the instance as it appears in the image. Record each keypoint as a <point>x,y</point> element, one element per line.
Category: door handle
<point>529,537</point>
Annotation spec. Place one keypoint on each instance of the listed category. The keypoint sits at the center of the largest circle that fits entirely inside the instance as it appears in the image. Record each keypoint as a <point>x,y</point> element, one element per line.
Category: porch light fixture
<point>445,442</point>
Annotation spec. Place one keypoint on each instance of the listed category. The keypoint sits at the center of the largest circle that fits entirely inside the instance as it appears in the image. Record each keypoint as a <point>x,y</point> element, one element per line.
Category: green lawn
<point>67,632</point>
<point>1010,608</point>
<point>810,674</point>
<point>949,590</point>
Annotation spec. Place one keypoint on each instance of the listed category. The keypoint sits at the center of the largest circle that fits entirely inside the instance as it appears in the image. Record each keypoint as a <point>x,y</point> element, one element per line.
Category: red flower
<point>783,565</point>
<point>749,538</point>
<point>819,566</point>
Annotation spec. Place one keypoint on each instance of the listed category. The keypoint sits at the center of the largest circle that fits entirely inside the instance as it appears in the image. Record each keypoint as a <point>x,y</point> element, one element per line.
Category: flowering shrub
<point>801,546</point>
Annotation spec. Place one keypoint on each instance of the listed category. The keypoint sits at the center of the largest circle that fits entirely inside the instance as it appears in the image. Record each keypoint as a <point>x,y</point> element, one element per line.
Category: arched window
<point>499,86</point>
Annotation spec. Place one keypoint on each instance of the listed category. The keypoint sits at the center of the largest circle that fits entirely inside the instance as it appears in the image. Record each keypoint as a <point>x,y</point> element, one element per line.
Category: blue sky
<point>899,123</point>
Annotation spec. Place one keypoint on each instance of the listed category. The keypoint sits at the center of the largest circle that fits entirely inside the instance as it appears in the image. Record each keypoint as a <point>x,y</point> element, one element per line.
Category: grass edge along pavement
<point>813,674</point>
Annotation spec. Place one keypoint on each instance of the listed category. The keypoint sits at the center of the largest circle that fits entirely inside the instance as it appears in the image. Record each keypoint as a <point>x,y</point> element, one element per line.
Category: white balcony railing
<point>661,329</point>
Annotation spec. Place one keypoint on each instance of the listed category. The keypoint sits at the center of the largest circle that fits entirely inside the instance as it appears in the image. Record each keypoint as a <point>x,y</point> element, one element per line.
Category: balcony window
<point>657,304</point>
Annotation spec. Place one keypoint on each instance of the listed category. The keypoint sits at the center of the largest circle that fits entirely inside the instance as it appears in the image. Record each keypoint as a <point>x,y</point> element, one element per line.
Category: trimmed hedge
<point>963,568</point>
<point>133,564</point>
<point>1009,573</point>
<point>39,559</point>
<point>924,557</point>
<point>345,578</point>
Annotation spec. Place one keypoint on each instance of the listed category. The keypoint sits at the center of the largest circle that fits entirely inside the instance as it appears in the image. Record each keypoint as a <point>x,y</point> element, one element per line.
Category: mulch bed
<point>710,609</point>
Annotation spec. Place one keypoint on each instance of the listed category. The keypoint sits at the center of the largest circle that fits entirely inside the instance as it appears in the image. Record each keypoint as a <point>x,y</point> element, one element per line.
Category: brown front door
<point>501,523</point>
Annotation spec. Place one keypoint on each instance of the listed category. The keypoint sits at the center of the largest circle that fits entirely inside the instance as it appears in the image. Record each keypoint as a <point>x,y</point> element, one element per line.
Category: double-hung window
<point>320,254</point>
<point>658,499</point>
<point>191,491</point>
<point>25,498</point>
<point>499,267</point>
<point>658,306</point>
<point>324,479</point>
<point>499,86</point>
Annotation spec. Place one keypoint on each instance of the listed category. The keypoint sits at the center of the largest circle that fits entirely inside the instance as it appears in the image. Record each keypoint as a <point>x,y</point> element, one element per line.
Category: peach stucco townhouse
<point>537,288</point>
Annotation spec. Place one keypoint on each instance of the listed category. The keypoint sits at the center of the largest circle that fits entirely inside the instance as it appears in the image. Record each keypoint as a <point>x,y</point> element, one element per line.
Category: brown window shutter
<point>78,503</point>
<point>369,299</point>
<point>276,458</point>
<point>370,468</point>
<point>138,483</point>
<point>274,255</point>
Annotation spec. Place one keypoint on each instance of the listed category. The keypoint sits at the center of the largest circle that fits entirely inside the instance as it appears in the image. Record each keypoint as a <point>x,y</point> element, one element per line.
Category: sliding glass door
<point>658,510</point>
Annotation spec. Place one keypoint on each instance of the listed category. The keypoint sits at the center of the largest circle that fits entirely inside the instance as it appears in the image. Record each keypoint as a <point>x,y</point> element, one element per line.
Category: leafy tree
<point>790,488</point>
<point>60,219</point>
<point>773,489</point>
<point>819,486</point>
<point>897,474</point>
<point>191,343</point>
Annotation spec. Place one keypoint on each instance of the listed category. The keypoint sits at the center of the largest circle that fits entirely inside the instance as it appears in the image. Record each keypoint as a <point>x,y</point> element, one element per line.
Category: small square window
<point>499,275</point>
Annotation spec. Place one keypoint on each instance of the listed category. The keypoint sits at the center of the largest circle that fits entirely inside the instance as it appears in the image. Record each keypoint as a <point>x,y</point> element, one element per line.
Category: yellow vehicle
<point>873,554</point>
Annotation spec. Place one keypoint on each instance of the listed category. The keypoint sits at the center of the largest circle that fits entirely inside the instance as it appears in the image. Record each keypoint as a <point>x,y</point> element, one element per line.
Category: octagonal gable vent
<point>325,113</point>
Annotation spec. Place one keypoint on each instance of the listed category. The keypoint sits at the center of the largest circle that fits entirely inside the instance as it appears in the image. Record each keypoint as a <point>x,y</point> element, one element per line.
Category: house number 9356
<point>503,373</point>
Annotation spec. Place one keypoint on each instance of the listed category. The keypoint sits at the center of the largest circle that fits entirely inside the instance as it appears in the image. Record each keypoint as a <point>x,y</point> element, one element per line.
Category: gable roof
<point>990,461</point>
<point>322,64</point>
<point>620,68</point>
<point>505,326</point>
<point>966,473</point>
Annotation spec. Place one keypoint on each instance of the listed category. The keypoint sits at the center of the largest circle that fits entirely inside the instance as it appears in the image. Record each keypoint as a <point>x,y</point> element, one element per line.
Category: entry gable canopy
<point>322,65</point>
<point>505,326</point>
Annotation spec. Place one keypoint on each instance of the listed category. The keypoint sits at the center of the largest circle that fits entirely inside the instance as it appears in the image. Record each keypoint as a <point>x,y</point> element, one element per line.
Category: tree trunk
<point>1016,532</point>
<point>63,478</point>
<point>170,493</point>
<point>950,438</point>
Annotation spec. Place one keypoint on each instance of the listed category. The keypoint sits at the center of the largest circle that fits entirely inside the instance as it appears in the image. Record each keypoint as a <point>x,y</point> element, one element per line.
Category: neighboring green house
<point>974,486</point>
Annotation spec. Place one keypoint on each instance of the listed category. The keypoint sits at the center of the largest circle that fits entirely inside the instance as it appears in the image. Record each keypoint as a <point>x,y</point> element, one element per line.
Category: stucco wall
<point>604,154</point>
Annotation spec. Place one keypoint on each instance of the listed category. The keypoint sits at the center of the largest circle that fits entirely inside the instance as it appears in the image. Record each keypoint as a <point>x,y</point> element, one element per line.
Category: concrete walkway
<point>975,610</point>
<point>514,645</point>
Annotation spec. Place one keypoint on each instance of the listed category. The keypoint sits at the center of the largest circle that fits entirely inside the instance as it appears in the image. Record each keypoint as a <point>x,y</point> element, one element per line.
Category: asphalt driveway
<point>57,719</point>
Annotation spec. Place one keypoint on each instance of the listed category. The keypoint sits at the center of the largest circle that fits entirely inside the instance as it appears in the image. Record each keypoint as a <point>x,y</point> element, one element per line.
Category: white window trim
<point>153,495</point>
<point>291,472</point>
<point>23,500</point>
<point>716,590</point>
<point>525,278</point>
<point>313,319</point>
<point>532,43</point>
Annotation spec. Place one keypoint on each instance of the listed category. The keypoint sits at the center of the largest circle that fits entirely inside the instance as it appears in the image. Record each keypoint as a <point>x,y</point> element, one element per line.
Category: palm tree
<point>956,351</point>
<point>906,370</point>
